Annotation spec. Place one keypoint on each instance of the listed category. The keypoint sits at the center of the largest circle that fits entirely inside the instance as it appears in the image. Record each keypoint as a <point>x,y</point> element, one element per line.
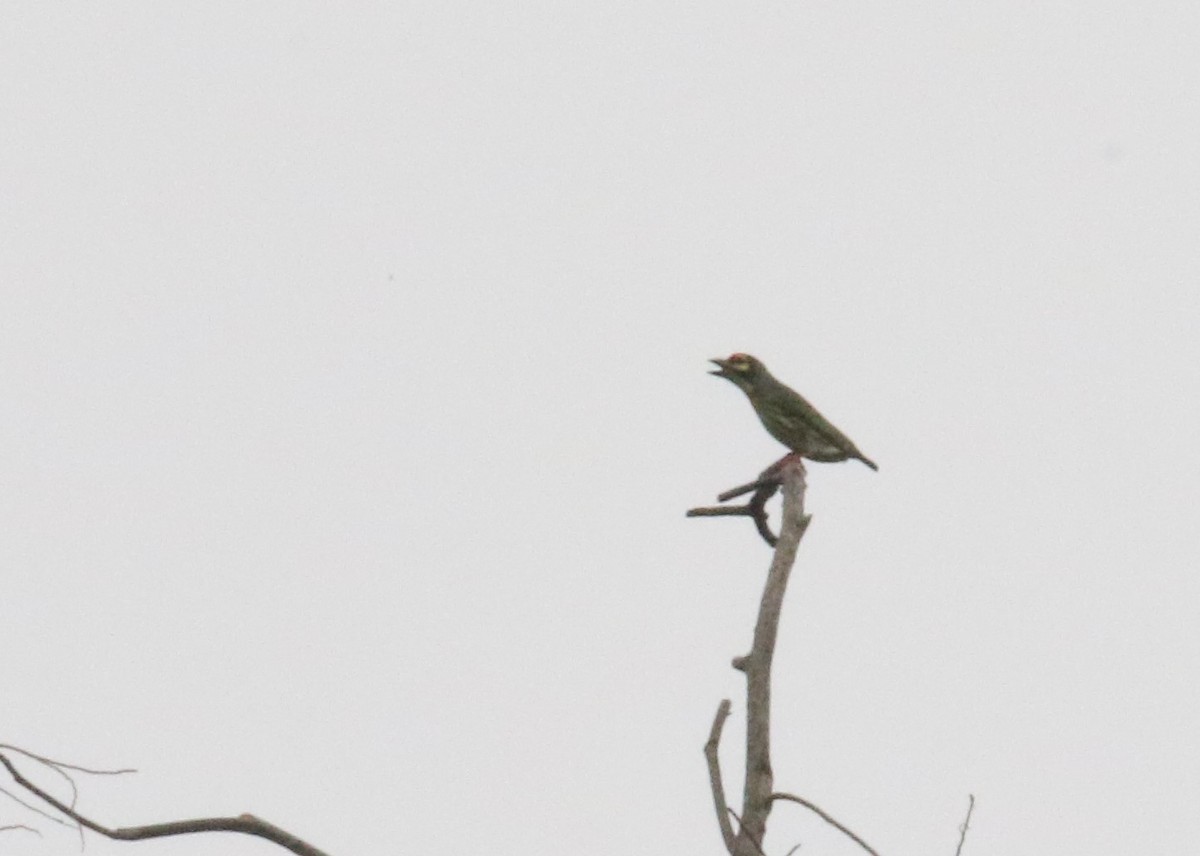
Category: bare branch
<point>15,826</point>
<point>966,824</point>
<point>756,798</point>
<point>711,754</point>
<point>758,795</point>
<point>247,824</point>
<point>61,768</point>
<point>34,808</point>
<point>768,478</point>
<point>755,510</point>
<point>63,765</point>
<point>720,511</point>
<point>825,816</point>
<point>764,487</point>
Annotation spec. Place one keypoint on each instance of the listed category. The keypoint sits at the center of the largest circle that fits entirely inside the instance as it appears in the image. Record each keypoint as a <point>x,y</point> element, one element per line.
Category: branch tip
<point>712,757</point>
<point>966,824</point>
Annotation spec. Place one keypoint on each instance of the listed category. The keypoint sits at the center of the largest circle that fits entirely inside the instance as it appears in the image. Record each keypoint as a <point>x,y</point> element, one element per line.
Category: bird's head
<point>742,370</point>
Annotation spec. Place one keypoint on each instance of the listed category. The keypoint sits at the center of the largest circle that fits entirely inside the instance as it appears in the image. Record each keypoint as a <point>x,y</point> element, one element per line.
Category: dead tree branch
<point>13,827</point>
<point>714,774</point>
<point>756,796</point>
<point>966,824</point>
<point>788,474</point>
<point>64,771</point>
<point>845,830</point>
<point>763,488</point>
<point>247,824</point>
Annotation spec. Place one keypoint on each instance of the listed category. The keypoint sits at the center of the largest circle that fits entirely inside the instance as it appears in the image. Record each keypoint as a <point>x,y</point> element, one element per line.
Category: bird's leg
<point>777,468</point>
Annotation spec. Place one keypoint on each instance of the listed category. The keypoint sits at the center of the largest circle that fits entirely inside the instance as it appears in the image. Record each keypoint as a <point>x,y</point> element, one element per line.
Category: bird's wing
<point>818,423</point>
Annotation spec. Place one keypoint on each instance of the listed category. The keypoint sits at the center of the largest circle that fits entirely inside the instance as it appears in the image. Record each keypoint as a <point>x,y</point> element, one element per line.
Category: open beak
<point>722,370</point>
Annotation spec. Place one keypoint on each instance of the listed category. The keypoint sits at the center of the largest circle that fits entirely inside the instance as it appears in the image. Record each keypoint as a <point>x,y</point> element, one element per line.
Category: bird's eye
<point>739,362</point>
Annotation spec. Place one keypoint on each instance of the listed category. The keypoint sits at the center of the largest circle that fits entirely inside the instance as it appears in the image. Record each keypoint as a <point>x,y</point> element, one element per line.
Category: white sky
<point>352,360</point>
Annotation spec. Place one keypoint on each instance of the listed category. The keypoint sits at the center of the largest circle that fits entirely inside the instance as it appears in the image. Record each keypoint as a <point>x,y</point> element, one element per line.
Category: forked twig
<point>246,824</point>
<point>764,487</point>
<point>59,766</point>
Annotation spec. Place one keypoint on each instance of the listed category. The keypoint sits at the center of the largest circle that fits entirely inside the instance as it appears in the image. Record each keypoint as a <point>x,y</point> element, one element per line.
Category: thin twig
<point>34,808</point>
<point>712,756</point>
<point>825,816</point>
<point>15,826</point>
<point>247,824</point>
<point>63,765</point>
<point>721,511</point>
<point>966,824</point>
<point>55,767</point>
<point>61,768</point>
<point>756,513</point>
<point>52,765</point>
<point>769,476</point>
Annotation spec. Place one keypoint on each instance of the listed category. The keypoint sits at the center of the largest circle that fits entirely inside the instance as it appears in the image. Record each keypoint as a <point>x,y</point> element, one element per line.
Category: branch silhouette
<point>764,487</point>
<point>246,824</point>
<point>825,816</point>
<point>758,795</point>
<point>966,824</point>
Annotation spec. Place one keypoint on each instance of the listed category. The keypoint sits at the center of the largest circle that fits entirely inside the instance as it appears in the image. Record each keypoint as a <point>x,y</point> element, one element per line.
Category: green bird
<point>786,415</point>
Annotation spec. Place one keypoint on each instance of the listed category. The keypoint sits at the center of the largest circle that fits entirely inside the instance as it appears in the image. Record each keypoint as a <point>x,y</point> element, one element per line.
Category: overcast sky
<point>352,360</point>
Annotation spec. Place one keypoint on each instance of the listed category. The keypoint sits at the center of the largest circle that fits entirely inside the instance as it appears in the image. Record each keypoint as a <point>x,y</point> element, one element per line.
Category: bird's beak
<point>722,368</point>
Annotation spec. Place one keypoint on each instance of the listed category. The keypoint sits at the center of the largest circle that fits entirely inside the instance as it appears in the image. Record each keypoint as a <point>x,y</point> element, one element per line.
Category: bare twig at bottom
<point>966,824</point>
<point>247,824</point>
<point>825,816</point>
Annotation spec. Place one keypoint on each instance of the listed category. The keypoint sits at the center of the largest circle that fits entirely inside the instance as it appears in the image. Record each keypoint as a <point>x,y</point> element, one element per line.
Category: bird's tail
<point>868,462</point>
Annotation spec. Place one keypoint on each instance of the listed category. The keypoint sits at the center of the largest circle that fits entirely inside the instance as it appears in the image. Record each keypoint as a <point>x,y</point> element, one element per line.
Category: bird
<point>786,415</point>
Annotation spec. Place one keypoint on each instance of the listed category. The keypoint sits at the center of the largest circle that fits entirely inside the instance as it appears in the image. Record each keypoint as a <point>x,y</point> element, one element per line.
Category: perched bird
<point>786,415</point>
